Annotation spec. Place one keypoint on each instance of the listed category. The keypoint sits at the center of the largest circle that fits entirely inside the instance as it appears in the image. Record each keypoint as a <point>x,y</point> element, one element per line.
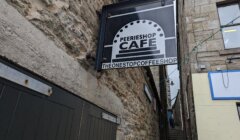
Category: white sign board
<point>225,85</point>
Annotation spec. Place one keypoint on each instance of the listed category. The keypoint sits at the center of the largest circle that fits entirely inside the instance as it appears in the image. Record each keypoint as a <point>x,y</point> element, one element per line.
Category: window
<point>230,24</point>
<point>238,108</point>
<point>148,93</point>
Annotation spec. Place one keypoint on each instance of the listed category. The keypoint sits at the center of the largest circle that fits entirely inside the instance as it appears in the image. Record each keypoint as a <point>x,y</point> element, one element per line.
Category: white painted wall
<point>216,120</point>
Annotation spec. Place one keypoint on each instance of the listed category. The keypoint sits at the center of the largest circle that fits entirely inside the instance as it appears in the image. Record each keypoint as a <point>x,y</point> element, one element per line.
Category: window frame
<point>148,93</point>
<point>224,4</point>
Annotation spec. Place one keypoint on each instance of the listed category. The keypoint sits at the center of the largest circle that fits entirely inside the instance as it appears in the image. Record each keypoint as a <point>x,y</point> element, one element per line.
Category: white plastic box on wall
<point>225,85</point>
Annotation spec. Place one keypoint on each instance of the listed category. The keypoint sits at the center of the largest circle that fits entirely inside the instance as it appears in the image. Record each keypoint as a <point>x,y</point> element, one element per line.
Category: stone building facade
<point>57,39</point>
<point>202,49</point>
<point>177,112</point>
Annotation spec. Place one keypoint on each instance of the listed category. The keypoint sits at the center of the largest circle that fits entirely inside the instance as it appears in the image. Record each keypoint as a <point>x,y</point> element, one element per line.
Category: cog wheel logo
<point>139,40</point>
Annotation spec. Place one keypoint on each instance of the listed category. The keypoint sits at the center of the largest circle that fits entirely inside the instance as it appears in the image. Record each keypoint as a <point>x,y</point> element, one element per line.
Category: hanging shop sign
<point>137,34</point>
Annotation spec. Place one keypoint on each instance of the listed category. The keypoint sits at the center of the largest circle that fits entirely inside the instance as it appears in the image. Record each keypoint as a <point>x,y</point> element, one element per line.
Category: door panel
<point>94,127</point>
<point>28,115</point>
<point>8,101</point>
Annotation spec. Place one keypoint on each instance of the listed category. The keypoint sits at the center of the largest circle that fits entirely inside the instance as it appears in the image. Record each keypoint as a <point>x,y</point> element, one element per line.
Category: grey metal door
<point>94,127</point>
<point>28,115</point>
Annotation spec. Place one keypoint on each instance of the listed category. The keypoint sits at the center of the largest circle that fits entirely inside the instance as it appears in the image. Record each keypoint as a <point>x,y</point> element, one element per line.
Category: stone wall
<point>177,112</point>
<point>202,22</point>
<point>56,39</point>
<point>188,112</point>
<point>155,72</point>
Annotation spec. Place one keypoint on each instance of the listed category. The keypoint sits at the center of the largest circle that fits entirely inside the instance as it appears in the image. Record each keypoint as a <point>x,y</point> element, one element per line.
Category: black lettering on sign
<point>122,47</point>
<point>152,42</point>
<point>142,43</point>
<point>133,45</point>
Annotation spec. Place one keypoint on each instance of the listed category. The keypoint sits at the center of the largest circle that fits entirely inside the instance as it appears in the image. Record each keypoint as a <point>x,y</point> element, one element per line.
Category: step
<point>176,134</point>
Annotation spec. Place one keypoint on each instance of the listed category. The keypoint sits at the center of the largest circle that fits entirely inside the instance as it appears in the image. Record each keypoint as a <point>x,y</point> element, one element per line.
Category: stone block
<point>200,47</point>
<point>218,67</point>
<point>208,54</point>
<point>188,3</point>
<point>212,58</point>
<point>199,15</point>
<point>234,66</point>
<point>230,52</point>
<point>189,27</point>
<point>213,15</point>
<point>191,38</point>
<point>201,2</point>
<point>197,9</point>
<point>211,24</point>
<point>208,8</point>
<point>215,1</point>
<point>197,26</point>
<point>200,19</point>
<point>215,45</point>
<point>203,35</point>
<point>217,62</point>
<point>218,34</point>
<point>188,19</point>
<point>188,11</point>
<point>194,67</point>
